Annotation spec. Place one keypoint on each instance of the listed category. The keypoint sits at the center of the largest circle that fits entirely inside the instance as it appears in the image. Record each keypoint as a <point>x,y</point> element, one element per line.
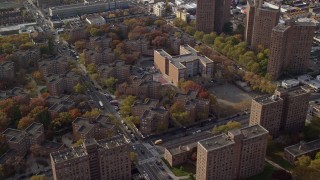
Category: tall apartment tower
<point>290,48</point>
<point>212,15</point>
<point>295,109</point>
<point>286,110</point>
<point>236,155</point>
<point>267,112</point>
<point>103,159</point>
<point>250,9</point>
<point>259,23</point>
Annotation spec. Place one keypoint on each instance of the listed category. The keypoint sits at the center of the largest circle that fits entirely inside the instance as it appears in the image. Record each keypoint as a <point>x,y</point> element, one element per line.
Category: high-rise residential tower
<point>285,111</point>
<point>236,155</point>
<point>267,111</point>
<point>260,21</point>
<point>103,159</point>
<point>212,15</point>
<point>290,48</point>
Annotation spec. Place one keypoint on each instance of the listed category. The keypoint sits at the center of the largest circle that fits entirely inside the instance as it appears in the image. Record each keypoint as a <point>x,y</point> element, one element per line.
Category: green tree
<point>79,88</point>
<point>224,128</point>
<point>110,83</point>
<point>209,38</point>
<point>78,143</point>
<point>38,177</point>
<point>190,30</point>
<point>315,164</point>
<point>133,157</point>
<point>92,114</point>
<point>91,68</point>
<point>198,35</point>
<point>95,32</point>
<point>303,161</point>
<point>127,102</point>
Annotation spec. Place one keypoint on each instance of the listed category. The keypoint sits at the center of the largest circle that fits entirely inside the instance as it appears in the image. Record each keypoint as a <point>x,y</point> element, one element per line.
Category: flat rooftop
<point>34,129</point>
<point>281,28</point>
<point>216,142</point>
<point>303,148</point>
<point>253,131</point>
<point>68,154</point>
<point>14,135</point>
<point>113,142</point>
<point>189,55</point>
<point>267,99</point>
<point>184,141</point>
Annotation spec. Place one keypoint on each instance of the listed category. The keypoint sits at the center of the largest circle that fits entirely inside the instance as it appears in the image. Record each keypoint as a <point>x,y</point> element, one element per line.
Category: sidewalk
<point>276,165</point>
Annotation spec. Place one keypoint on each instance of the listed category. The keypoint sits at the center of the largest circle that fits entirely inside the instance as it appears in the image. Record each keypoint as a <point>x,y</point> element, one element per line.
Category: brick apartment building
<point>174,42</point>
<point>198,108</point>
<point>180,150</point>
<point>286,110</point>
<point>7,70</point>
<point>290,48</point>
<point>153,117</point>
<point>56,65</point>
<point>100,127</point>
<point>99,43</point>
<point>95,57</point>
<point>142,87</point>
<point>14,92</point>
<point>291,153</point>
<point>59,84</point>
<point>27,59</point>
<point>239,154</point>
<point>77,32</point>
<point>212,15</point>
<point>141,46</point>
<point>188,64</point>
<point>103,159</point>
<point>56,105</point>
<point>46,3</point>
<point>295,108</point>
<point>21,140</point>
<point>259,23</point>
<point>118,70</point>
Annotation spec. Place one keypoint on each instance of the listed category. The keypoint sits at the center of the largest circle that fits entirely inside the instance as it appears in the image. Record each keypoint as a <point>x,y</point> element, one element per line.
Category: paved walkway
<point>276,165</point>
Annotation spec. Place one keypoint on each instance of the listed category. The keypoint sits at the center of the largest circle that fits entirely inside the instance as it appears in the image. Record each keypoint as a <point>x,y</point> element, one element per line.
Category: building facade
<point>7,70</point>
<point>285,111</point>
<point>188,64</point>
<point>21,140</point>
<point>264,21</point>
<point>86,8</point>
<point>142,87</point>
<point>290,48</point>
<point>57,65</point>
<point>103,159</point>
<point>237,155</point>
<point>100,127</point>
<point>291,153</point>
<point>118,70</point>
<point>212,15</point>
<point>295,108</point>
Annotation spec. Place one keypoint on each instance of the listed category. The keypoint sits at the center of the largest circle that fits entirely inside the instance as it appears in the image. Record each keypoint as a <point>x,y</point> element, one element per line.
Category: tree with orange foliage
<point>74,113</point>
<point>37,75</point>
<point>189,85</point>
<point>25,122</point>
<point>137,32</point>
<point>39,101</point>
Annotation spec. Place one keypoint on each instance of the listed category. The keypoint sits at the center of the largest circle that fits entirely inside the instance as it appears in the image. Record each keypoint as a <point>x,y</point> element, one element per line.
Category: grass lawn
<point>277,157</point>
<point>183,170</point>
<point>265,175</point>
<point>276,154</point>
<point>178,172</point>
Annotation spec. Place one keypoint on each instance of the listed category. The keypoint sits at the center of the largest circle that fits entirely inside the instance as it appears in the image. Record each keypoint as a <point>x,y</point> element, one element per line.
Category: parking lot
<point>231,99</point>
